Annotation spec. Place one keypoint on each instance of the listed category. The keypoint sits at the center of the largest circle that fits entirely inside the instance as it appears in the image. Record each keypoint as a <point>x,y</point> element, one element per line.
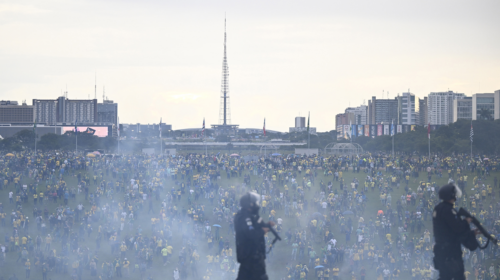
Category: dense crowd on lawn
<point>149,211</point>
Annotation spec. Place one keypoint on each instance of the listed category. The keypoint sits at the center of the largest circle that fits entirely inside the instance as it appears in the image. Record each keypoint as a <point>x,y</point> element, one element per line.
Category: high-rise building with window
<point>486,106</point>
<point>382,110</point>
<point>462,109</point>
<point>13,113</point>
<point>45,111</point>
<point>107,112</point>
<point>440,107</point>
<point>64,110</point>
<point>406,109</point>
<point>359,114</point>
<point>300,121</point>
<point>422,115</point>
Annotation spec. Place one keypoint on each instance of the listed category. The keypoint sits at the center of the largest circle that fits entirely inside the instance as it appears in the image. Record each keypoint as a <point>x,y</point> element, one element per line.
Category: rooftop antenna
<point>95,86</point>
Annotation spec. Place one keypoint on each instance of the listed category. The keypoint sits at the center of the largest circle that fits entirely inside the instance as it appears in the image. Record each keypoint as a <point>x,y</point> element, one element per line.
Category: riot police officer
<point>250,243</point>
<point>449,232</point>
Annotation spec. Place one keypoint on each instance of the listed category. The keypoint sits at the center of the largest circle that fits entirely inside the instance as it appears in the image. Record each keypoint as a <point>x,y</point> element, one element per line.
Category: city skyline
<point>163,60</point>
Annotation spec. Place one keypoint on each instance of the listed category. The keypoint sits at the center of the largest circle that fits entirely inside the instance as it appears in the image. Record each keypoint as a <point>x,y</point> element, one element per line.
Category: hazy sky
<point>164,58</point>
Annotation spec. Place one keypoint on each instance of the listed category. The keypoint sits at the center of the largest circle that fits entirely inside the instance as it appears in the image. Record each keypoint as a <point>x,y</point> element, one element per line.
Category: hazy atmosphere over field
<point>163,58</point>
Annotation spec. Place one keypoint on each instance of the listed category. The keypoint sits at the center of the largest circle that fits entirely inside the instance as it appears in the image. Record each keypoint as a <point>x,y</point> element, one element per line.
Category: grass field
<point>276,263</point>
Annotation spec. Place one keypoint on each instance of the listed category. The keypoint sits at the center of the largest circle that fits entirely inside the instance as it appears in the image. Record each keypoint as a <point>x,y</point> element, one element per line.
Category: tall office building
<point>382,110</point>
<point>486,105</point>
<point>82,110</point>
<point>13,113</point>
<point>440,107</point>
<point>343,119</point>
<point>64,110</point>
<point>406,109</point>
<point>359,114</point>
<point>422,115</point>
<point>107,112</point>
<point>45,111</point>
<point>462,109</point>
<point>300,121</point>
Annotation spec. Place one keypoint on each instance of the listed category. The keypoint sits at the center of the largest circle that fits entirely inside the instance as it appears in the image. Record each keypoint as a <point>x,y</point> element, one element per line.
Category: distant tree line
<point>453,138</point>
<point>25,140</point>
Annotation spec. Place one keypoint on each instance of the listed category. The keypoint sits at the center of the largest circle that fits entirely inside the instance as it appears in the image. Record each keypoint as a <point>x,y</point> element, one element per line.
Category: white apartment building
<point>440,107</point>
<point>360,114</point>
<point>406,109</point>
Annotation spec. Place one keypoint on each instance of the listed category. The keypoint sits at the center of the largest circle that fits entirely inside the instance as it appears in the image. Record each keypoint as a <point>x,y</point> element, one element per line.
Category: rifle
<point>276,235</point>
<point>462,212</point>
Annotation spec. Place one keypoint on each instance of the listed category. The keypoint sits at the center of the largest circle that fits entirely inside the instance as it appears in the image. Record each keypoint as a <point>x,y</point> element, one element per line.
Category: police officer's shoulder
<point>444,209</point>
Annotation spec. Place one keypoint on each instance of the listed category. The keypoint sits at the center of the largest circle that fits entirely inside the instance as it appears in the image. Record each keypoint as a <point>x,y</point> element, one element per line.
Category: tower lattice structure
<point>224,111</point>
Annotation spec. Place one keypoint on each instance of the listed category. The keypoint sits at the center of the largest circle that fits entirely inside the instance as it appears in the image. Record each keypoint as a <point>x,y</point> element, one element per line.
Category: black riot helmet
<point>250,200</point>
<point>448,192</point>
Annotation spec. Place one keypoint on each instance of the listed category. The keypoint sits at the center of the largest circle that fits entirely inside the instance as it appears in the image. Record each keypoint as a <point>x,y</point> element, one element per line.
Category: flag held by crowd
<point>160,127</point>
<point>264,128</point>
<point>308,118</point>
<point>203,128</point>
<point>471,132</point>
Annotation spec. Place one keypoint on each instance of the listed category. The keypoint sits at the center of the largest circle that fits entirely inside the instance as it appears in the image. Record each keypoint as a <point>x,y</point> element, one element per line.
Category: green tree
<point>26,137</point>
<point>453,138</point>
<point>49,141</point>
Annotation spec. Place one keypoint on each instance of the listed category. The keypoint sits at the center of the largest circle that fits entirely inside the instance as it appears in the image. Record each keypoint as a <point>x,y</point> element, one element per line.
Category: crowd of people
<point>93,216</point>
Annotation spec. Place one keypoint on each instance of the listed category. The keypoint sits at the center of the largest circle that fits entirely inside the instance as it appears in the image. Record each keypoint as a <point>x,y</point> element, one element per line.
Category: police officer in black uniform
<point>449,232</point>
<point>250,243</point>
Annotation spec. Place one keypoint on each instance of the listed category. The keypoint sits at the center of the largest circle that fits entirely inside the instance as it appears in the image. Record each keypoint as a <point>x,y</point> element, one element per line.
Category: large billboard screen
<point>100,131</point>
<point>386,129</point>
<point>380,129</point>
<point>340,133</point>
<point>373,130</point>
<point>347,131</point>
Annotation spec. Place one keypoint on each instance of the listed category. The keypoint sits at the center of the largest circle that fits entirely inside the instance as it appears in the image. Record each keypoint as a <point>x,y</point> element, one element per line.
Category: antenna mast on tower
<point>224,112</point>
<point>95,86</point>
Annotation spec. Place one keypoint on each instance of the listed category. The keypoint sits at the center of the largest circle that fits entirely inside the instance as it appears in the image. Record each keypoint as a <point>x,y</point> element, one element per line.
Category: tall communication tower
<point>224,111</point>
<point>225,126</point>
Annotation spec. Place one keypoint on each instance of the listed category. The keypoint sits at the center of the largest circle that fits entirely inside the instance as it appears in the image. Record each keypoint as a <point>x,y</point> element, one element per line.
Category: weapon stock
<point>464,213</point>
